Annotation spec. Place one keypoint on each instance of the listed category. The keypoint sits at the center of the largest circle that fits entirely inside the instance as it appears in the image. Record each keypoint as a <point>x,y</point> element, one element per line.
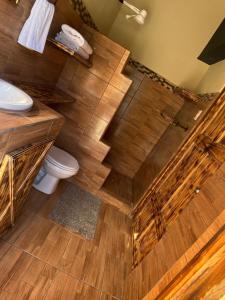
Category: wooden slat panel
<point>5,199</point>
<point>17,173</point>
<point>25,166</point>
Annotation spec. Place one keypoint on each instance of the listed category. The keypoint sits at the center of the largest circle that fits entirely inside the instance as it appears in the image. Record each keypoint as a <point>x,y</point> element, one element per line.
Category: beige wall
<point>214,79</point>
<point>103,12</point>
<point>174,35</point>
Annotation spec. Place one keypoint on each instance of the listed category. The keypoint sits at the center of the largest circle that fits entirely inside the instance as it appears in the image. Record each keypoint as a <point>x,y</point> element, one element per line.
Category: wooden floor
<point>40,259</point>
<point>201,219</point>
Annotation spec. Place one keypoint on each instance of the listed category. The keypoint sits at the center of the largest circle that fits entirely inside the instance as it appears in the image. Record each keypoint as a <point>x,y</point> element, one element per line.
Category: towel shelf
<point>87,63</point>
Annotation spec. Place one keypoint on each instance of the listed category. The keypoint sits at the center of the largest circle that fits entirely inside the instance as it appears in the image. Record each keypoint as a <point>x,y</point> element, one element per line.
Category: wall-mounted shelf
<point>87,63</point>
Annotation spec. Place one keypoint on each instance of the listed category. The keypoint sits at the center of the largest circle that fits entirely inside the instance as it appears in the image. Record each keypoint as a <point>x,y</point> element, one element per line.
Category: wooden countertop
<point>22,129</point>
<point>40,113</point>
<point>45,94</point>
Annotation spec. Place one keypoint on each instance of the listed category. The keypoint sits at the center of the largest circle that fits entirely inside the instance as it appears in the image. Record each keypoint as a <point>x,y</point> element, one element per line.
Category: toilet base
<point>47,185</point>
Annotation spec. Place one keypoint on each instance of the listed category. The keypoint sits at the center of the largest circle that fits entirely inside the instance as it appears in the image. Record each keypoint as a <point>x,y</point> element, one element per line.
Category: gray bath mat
<point>77,210</point>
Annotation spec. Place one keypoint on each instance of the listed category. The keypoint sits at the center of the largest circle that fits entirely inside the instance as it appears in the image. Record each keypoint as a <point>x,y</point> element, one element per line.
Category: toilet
<point>58,165</point>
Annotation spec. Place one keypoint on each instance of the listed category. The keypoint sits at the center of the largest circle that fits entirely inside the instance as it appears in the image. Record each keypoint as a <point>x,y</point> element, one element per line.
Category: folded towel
<point>63,38</point>
<point>71,44</point>
<point>35,30</point>
<point>77,37</point>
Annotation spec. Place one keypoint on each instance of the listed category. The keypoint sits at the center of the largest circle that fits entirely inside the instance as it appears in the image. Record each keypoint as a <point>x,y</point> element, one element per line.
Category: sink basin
<point>13,98</point>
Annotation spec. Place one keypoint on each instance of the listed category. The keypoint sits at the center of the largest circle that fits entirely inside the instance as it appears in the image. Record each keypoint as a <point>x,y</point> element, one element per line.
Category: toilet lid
<point>62,159</point>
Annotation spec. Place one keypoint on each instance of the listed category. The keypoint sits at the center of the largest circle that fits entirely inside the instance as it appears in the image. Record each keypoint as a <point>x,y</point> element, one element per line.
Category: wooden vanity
<point>24,141</point>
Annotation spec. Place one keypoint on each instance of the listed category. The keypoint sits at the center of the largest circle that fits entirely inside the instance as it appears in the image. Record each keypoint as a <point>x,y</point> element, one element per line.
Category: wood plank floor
<point>195,226</point>
<point>40,259</point>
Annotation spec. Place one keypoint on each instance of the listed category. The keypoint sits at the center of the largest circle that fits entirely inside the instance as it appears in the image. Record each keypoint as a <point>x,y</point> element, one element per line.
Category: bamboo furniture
<point>5,203</point>
<point>24,141</point>
<point>17,173</point>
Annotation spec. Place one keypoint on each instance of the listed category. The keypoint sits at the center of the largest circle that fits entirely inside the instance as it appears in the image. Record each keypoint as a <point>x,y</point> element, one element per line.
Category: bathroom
<point>88,217</point>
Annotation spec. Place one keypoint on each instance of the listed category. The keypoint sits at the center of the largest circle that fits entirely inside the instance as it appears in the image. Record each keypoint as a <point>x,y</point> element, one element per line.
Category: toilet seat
<point>62,160</point>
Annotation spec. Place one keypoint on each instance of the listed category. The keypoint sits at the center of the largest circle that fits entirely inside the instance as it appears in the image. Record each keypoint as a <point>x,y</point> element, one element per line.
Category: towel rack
<point>88,63</point>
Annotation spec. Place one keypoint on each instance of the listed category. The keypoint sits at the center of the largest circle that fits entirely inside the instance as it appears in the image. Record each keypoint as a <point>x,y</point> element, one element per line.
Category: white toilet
<point>58,165</point>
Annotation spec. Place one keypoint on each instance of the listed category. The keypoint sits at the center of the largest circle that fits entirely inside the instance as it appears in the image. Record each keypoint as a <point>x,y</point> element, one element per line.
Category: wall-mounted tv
<point>215,49</point>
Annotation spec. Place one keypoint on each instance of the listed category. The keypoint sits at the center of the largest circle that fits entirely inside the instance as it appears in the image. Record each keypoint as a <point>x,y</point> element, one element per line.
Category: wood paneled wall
<point>98,92</point>
<point>142,119</point>
<point>19,63</point>
<point>197,159</point>
<point>197,223</point>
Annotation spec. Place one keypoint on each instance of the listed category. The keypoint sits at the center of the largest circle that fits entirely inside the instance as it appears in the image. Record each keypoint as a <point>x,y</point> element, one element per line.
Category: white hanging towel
<point>71,44</point>
<point>35,30</point>
<point>77,37</point>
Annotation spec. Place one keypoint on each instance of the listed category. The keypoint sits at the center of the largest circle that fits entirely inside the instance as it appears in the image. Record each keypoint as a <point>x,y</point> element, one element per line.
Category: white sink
<point>13,98</point>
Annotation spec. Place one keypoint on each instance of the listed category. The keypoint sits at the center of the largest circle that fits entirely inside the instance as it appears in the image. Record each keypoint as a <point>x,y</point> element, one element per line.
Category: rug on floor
<point>78,210</point>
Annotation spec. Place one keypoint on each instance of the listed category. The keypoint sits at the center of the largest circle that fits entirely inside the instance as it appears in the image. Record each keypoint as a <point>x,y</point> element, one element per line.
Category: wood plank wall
<point>142,119</point>
<point>183,239</point>
<point>19,63</point>
<point>98,92</point>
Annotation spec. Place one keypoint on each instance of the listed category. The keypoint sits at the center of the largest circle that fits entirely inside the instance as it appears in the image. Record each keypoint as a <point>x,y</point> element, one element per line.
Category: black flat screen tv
<point>215,49</point>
